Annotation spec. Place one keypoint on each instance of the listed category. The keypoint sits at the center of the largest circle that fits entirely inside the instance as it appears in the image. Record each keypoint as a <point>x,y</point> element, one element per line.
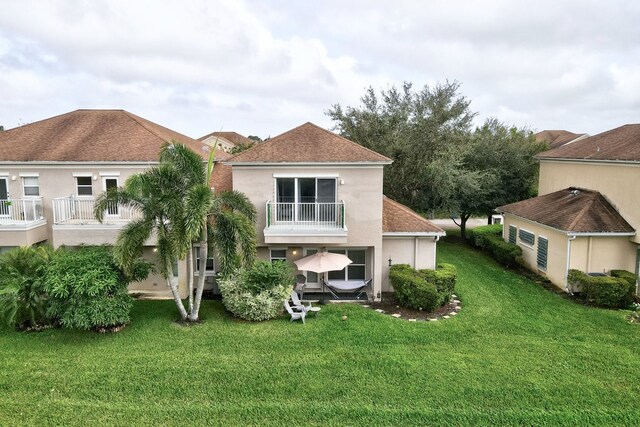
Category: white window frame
<point>196,260</point>
<point>24,176</point>
<point>346,269</point>
<point>77,175</point>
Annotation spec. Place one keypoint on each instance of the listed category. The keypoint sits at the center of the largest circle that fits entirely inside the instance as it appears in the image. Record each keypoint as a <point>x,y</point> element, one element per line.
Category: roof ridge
<point>582,212</point>
<point>40,121</point>
<point>349,141</point>
<point>135,118</point>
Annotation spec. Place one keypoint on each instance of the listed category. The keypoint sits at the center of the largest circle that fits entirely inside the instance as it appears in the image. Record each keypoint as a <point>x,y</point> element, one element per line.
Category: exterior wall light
<point>390,261</point>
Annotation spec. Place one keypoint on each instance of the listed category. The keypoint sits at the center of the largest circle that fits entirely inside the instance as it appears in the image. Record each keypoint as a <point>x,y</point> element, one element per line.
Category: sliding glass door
<point>306,199</point>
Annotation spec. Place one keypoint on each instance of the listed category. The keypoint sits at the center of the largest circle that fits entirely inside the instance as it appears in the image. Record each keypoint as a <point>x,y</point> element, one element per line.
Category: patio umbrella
<point>321,262</point>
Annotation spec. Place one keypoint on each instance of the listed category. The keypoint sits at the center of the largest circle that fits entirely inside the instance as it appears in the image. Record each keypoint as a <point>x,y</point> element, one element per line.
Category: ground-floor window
<point>543,249</point>
<point>278,255</point>
<point>210,268</point>
<point>355,270</point>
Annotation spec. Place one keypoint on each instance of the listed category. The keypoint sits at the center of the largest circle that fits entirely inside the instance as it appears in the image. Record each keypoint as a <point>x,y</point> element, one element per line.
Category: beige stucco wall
<point>557,249</point>
<point>361,192</point>
<point>620,183</point>
<point>419,253</point>
<point>57,180</point>
<point>591,254</point>
<point>23,236</point>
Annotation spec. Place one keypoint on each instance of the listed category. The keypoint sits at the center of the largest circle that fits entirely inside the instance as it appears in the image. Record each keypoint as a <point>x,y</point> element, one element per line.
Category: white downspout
<point>415,253</point>
<point>435,241</point>
<point>566,273</point>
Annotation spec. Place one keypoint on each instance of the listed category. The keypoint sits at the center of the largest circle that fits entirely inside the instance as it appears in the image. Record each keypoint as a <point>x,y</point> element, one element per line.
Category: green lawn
<point>516,354</point>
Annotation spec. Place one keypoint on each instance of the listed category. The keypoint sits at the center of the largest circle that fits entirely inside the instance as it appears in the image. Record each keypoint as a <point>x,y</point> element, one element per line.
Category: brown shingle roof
<point>222,178</point>
<point>622,143</point>
<point>556,138</point>
<point>397,218</point>
<point>90,136</point>
<point>233,137</point>
<point>308,143</point>
<point>571,210</point>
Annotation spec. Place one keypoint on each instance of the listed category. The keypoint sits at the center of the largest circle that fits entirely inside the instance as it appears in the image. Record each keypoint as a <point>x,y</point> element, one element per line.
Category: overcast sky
<point>263,67</point>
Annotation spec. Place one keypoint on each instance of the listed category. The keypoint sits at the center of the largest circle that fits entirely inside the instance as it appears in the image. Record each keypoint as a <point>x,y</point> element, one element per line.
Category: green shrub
<point>23,299</point>
<point>257,293</point>
<point>87,289</point>
<point>505,253</point>
<point>604,291</point>
<point>424,289</point>
<point>444,278</point>
<point>626,275</point>
<point>478,235</point>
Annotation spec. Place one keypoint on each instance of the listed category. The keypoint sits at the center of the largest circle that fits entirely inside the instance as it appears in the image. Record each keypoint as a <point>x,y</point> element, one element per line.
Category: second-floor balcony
<point>21,212</point>
<point>324,221</point>
<point>79,210</point>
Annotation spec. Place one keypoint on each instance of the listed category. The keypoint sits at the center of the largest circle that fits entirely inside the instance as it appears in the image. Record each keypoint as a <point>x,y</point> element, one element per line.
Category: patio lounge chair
<point>356,286</point>
<point>298,303</point>
<point>295,315</point>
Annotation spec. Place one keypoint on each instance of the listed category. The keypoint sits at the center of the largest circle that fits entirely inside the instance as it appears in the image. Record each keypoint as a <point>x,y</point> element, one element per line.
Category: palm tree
<point>175,202</point>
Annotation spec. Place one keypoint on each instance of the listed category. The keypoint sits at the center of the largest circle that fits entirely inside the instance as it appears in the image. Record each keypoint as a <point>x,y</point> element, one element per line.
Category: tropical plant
<point>257,293</point>
<point>88,290</point>
<point>23,299</point>
<point>176,205</point>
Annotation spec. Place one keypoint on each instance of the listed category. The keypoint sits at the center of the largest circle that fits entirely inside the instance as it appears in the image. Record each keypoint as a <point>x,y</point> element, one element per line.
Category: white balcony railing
<point>306,215</point>
<point>79,210</point>
<point>21,211</point>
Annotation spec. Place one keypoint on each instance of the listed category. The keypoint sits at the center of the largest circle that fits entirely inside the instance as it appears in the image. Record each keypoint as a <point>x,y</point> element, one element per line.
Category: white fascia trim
<point>28,174</point>
<point>115,173</point>
<point>81,174</point>
<point>415,234</point>
<point>79,165</point>
<point>307,164</point>
<point>592,161</point>
<point>571,233</point>
<point>4,174</point>
<point>305,175</point>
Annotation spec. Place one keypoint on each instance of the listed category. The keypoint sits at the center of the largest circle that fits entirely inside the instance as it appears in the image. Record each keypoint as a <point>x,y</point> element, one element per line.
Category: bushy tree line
<point>440,161</point>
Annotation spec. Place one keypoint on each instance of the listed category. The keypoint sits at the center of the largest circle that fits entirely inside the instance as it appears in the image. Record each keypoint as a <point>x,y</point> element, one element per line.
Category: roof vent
<point>575,192</point>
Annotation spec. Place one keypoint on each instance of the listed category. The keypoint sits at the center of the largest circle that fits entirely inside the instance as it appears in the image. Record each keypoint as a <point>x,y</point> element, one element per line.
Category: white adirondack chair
<point>295,315</point>
<point>297,303</point>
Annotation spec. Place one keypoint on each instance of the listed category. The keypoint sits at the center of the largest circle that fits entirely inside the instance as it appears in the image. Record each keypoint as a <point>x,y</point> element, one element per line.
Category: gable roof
<point>309,143</point>
<point>92,136</point>
<point>572,210</point>
<point>233,137</point>
<point>621,143</point>
<point>557,138</point>
<point>397,218</point>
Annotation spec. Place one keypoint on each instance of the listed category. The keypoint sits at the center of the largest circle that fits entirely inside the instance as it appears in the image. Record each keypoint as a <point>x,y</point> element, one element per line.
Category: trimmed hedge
<point>424,289</point>
<point>257,293</point>
<point>626,275</point>
<point>489,237</point>
<point>605,291</point>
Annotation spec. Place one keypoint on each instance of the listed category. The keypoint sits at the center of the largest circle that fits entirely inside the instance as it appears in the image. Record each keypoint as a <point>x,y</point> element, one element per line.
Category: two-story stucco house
<point>52,170</point>
<point>587,211</point>
<point>225,141</point>
<point>315,190</point>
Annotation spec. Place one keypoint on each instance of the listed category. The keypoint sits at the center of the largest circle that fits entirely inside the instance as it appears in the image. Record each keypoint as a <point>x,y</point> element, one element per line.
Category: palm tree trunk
<point>204,254</point>
<point>190,276</point>
<point>176,296</point>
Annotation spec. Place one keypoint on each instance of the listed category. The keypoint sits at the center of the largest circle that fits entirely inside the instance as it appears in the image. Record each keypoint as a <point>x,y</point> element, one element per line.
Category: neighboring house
<point>52,170</point>
<point>226,140</point>
<point>316,190</point>
<point>588,208</point>
<point>558,138</point>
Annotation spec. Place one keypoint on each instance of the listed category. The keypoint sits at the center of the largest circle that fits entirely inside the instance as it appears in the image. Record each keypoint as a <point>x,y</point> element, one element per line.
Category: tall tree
<point>176,205</point>
<point>496,166</point>
<point>411,127</point>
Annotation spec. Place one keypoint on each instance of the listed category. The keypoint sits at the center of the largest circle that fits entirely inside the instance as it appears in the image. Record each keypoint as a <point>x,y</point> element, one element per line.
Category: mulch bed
<point>390,306</point>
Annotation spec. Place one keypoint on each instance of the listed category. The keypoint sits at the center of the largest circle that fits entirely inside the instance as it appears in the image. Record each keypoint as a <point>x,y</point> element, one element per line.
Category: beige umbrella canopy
<point>321,262</point>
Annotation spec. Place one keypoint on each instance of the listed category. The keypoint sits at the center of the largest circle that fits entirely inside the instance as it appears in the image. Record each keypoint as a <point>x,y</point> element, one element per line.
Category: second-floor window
<point>84,186</point>
<point>31,186</point>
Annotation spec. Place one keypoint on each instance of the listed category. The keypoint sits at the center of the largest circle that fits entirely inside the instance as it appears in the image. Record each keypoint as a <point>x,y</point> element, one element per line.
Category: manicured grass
<point>516,354</point>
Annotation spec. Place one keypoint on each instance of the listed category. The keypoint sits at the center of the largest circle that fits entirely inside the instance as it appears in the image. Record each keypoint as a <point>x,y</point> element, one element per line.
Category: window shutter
<point>543,248</point>
<point>512,234</point>
<point>526,237</point>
